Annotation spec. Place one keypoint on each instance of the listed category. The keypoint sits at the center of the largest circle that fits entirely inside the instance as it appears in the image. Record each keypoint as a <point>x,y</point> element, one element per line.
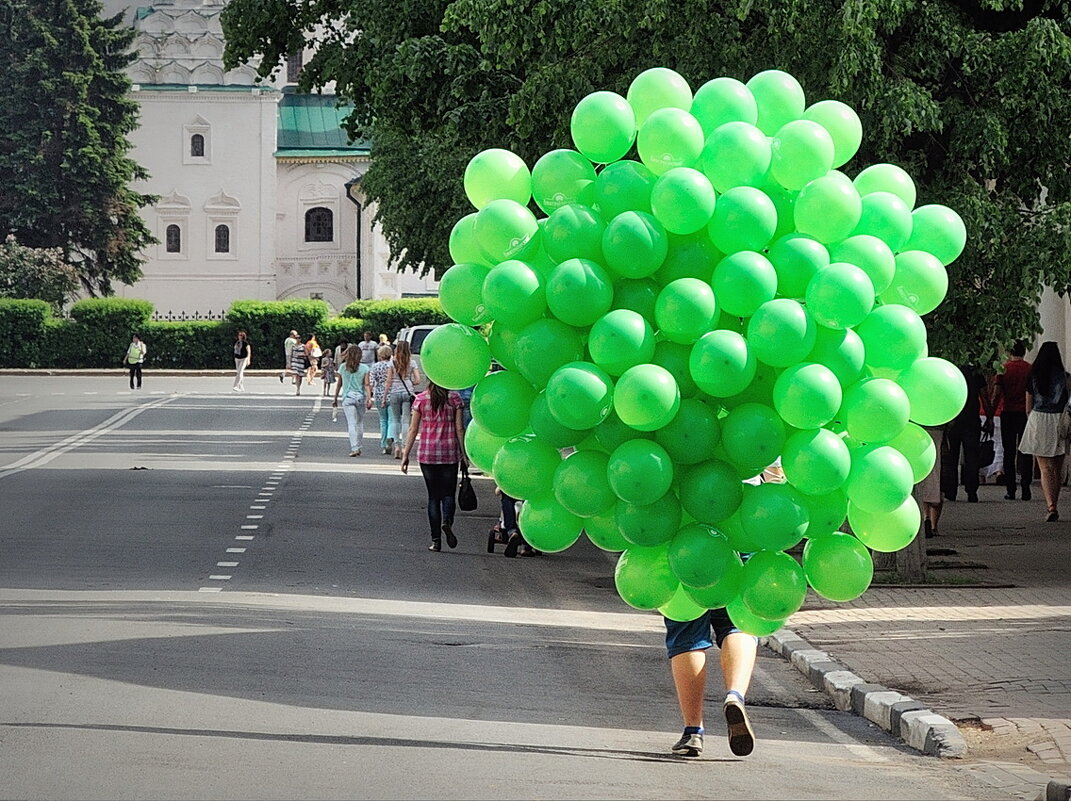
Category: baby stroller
<point>506,532</point>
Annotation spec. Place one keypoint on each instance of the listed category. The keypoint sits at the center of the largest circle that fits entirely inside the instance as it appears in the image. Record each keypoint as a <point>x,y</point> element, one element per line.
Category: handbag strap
<point>464,470</point>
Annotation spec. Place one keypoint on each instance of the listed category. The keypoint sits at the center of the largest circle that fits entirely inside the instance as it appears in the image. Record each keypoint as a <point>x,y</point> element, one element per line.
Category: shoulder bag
<point>466,495</point>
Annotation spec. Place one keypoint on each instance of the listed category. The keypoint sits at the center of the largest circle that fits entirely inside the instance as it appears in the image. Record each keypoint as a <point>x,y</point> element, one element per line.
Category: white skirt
<point>1043,435</point>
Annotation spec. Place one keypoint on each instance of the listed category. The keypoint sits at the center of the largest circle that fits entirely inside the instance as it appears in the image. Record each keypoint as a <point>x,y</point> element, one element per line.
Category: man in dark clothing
<point>1009,388</point>
<point>966,431</point>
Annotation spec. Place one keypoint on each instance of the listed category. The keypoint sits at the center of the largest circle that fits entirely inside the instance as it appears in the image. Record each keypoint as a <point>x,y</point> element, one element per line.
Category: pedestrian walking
<point>437,422</point>
<point>288,346</point>
<point>368,349</point>
<point>352,384</point>
<point>134,359</point>
<point>313,353</point>
<point>298,364</point>
<point>1009,391</point>
<point>377,375</point>
<point>328,371</point>
<point>1045,435</point>
<point>340,348</point>
<point>965,432</point>
<point>243,355</point>
<point>929,489</point>
<point>401,379</point>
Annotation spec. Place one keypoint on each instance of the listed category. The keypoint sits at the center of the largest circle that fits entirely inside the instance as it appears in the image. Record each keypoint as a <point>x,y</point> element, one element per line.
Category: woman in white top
<point>402,378</point>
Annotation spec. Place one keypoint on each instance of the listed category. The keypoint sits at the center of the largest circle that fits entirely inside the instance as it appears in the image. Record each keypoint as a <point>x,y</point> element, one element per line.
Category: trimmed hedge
<point>102,330</point>
<point>268,323</point>
<point>390,316</point>
<point>204,344</point>
<point>331,331</point>
<point>22,324</point>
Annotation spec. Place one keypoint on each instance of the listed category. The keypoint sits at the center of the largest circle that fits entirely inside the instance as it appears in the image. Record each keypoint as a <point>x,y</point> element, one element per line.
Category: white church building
<point>259,189</point>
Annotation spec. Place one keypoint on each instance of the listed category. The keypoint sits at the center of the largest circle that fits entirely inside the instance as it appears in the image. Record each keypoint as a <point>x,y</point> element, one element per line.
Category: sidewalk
<point>996,660</point>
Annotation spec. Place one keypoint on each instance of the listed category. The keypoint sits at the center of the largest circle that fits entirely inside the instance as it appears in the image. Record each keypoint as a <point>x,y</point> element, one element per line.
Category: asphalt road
<point>201,596</point>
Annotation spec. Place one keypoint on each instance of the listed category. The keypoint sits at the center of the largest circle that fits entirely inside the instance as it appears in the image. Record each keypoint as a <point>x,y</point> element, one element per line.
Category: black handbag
<point>987,451</point>
<point>466,495</point>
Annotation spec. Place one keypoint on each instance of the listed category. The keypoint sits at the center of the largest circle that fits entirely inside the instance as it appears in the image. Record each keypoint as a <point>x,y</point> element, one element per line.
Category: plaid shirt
<point>438,433</point>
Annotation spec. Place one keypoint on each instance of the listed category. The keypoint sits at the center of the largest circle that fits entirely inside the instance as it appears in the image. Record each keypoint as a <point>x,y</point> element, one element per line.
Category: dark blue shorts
<point>694,635</point>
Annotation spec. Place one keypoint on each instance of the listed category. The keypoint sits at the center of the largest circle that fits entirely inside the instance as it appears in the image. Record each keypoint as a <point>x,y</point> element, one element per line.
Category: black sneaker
<point>689,745</point>
<point>741,736</point>
<point>436,545</point>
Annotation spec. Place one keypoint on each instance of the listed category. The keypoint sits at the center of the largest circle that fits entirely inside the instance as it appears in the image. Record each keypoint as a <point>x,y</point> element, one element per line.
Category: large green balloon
<point>542,347</point>
<point>604,534</point>
<point>760,390</point>
<point>843,125</point>
<point>725,590</point>
<point>481,446</point>
<point>646,397</point>
<point>611,433</point>
<point>559,177</point>
<point>681,607</point>
<point>514,293</point>
<point>682,199</point>
<point>840,351</point>
<point>816,462</point>
<point>710,491</point>
<point>534,253</point>
<point>784,201</point>
<point>828,208</point>
<point>502,341</point>
<point>655,89</point>
<point>736,154</point>
<point>840,296</point>
<point>603,126</point>
<point>752,435</point>
<point>700,556</point>
<point>643,578</point>
<point>620,340</point>
<point>581,484</point>
<point>634,244</point>
<point>455,356</point>
<point>674,357</point>
<point>739,540</point>
<point>918,447</point>
<point>624,186</point>
<point>723,100</point>
<point>801,151</point>
<point>574,231</point>
<point>888,531</point>
<point>637,294</point>
<point>920,282</point>
<point>668,139</point>
<point>807,395</point>
<point>686,309</point>
<point>497,174</point>
<point>547,428</point>
<point>744,219</point>
<point>773,585</point>
<point>744,281</point>
<point>828,512</point>
<point>775,516</point>
<point>691,436</point>
<point>868,253</point>
<point>796,259</point>
<point>887,217</point>
<point>580,395</point>
<point>838,567</point>
<point>779,98</point>
<point>640,471</point>
<point>894,337</point>
<point>781,332</point>
<point>524,467</point>
<point>651,523</point>
<point>548,526</point>
<point>501,402</point>
<point>464,247</point>
<point>938,230</point>
<point>721,363</point>
<point>688,257</point>
<point>875,410</point>
<point>880,479</point>
<point>887,178</point>
<point>504,228</point>
<point>936,389</point>
<point>579,292</point>
<point>461,293</point>
<point>747,621</point>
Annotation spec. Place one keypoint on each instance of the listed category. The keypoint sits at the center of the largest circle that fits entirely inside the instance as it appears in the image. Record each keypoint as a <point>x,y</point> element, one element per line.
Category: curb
<point>903,717</point>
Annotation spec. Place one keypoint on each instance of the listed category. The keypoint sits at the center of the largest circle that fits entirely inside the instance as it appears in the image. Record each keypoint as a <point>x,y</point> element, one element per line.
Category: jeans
<point>135,371</point>
<point>1012,425</point>
<point>384,426</point>
<point>353,407</point>
<point>239,372</point>
<point>400,406</point>
<point>441,481</point>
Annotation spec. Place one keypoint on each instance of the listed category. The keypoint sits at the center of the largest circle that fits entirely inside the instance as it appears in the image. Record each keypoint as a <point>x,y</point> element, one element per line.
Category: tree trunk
<point>911,561</point>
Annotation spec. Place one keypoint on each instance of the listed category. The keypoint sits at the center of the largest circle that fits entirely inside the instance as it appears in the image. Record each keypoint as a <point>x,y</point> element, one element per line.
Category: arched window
<point>319,225</point>
<point>197,146</point>
<point>173,239</point>
<point>223,239</point>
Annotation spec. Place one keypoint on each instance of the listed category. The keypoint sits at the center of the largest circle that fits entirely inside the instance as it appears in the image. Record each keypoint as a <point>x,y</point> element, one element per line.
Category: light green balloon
<point>796,259</point>
<point>887,178</point>
<point>723,100</point>
<point>547,525</point>
<point>481,446</point>
<point>784,201</point>
<point>880,479</point>
<point>744,281</point>
<point>580,395</point>
<point>604,534</point>
<point>634,244</point>
<point>841,351</point>
<point>886,532</point>
<point>657,88</point>
<point>637,294</point>
<point>920,282</point>
<point>748,622</point>
<point>801,151</point>
<point>736,154</point>
<point>461,293</point>
<point>624,186</point>
<point>840,296</point>
<point>894,337</point>
<point>828,208</point>
<point>579,292</point>
<point>674,357</point>
<point>620,340</point>
<point>843,126</point>
<point>721,363</point>
<point>649,524</point>
<point>574,231</point>
<point>936,390</point>
<point>581,484</point>
<point>752,435</point>
<point>869,254</point>
<point>514,293</point>
<point>501,402</point>
<point>524,467</point>
<point>685,310</point>
<point>646,397</point>
<point>455,356</point>
<point>681,607</point>
<point>682,199</point>
<point>938,230</point>
<point>558,178</point>
<point>668,139</point>
<point>504,228</point>
<point>463,245</point>
<point>502,341</point>
<point>918,447</point>
<point>700,556</point>
<point>816,461</point>
<point>828,512</point>
<point>693,433</point>
<point>640,471</point>
<point>807,395</point>
<point>838,567</point>
<point>885,216</point>
<point>691,256</point>
<point>497,174</point>
<point>744,219</point>
<point>710,491</point>
<point>542,347</point>
<point>781,332</point>
<point>643,578</point>
<point>603,126</point>
<point>778,97</point>
<point>775,516</point>
<point>773,585</point>
<point>739,540</point>
<point>875,410</point>
<point>548,429</point>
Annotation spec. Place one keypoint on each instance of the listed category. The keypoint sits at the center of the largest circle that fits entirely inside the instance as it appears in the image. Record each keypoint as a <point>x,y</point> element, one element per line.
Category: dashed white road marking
<point>245,537</point>
<point>255,517</point>
<point>219,578</point>
<point>209,589</point>
<point>236,550</point>
<point>251,527</point>
<point>226,564</point>
<point>255,506</point>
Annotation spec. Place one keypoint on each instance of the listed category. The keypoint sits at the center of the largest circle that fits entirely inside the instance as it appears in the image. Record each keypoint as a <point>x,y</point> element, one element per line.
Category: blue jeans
<point>384,427</point>
<point>353,407</point>
<point>399,415</point>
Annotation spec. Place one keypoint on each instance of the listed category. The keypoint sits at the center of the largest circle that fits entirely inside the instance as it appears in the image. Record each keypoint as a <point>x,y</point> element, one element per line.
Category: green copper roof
<point>311,125</point>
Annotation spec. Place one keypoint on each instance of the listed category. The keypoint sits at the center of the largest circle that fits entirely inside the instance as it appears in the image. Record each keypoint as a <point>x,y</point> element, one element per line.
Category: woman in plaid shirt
<point>437,418</point>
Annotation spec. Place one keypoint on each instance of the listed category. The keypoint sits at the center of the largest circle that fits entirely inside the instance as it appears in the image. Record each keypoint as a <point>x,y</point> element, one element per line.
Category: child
<point>327,367</point>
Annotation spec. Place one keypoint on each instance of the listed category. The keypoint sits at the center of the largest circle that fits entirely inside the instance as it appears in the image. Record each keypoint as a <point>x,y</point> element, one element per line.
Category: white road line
<point>226,564</point>
<point>219,578</point>
<point>209,589</point>
<point>255,517</point>
<point>236,550</point>
<point>245,537</point>
<point>255,506</point>
<point>250,528</point>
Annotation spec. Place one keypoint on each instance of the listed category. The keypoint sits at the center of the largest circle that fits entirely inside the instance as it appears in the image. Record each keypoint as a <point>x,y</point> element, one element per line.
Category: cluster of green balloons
<point>680,320</point>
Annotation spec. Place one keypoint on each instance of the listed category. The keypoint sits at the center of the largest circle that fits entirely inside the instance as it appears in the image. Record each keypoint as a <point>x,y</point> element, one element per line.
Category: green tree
<point>972,98</point>
<point>36,273</point>
<point>64,153</point>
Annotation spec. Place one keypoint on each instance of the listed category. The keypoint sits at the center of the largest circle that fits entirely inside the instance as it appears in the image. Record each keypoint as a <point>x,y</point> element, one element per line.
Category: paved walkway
<point>996,660</point>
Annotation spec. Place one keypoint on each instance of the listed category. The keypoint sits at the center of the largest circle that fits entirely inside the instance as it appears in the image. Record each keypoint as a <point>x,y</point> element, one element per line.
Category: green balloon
<point>581,485</point>
<point>807,395</point>
<point>604,534</point>
<point>651,523</point>
<point>603,126</point>
<point>936,390</point>
<point>880,479</point>
<point>580,395</point>
<point>574,231</point>
<point>885,216</point>
<point>843,126</point>
<point>938,230</point>
<point>700,556</point>
<point>828,512</point>
<point>464,247</point>
<point>710,491</point>
<point>640,471</point>
<point>481,446</point>
<point>497,174</point>
<point>686,309</point>
<point>796,259</point>
<point>548,429</point>
<point>535,255</point>
<point>744,281</point>
<point>816,462</point>
<point>524,467</point>
<point>691,436</point>
<point>869,254</point>
<point>736,154</point>
<point>752,435</point>
<point>918,447</point>
<point>723,100</point>
<point>657,88</point>
<point>611,432</point>
<point>744,219</point>
<point>894,337</point>
<point>748,622</point>
<point>668,139</point>
<point>801,151</point>
<point>579,292</point>
<point>620,340</point>
<point>559,177</point>
<point>638,295</point>
<point>502,341</point>
<point>674,357</point>
<point>781,332</point>
<point>779,98</point>
<point>724,591</point>
<point>542,347</point>
<point>501,402</point>
<point>838,567</point>
<point>773,585</point>
<point>887,178</point>
<point>721,363</point>
<point>840,296</point>
<point>784,201</point>
<point>739,540</point>
<point>682,199</point>
<point>461,293</point>
<point>840,351</point>
<point>920,282</point>
<point>681,607</point>
<point>455,356</point>
<point>504,228</point>
<point>514,293</point>
<point>775,516</point>
<point>643,578</point>
<point>646,397</point>
<point>828,208</point>
<point>624,186</point>
<point>634,244</point>
<point>889,531</point>
<point>691,256</point>
<point>548,526</point>
<point>875,410</point>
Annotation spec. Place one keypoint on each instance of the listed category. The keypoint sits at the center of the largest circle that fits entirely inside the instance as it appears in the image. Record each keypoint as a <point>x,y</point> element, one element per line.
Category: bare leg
<point>1051,475</point>
<point>689,672</point>
<point>738,652</point>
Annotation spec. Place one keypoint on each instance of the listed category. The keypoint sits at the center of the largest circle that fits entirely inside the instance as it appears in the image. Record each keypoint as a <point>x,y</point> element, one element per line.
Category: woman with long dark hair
<point>402,378</point>
<point>1044,437</point>
<point>436,418</point>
